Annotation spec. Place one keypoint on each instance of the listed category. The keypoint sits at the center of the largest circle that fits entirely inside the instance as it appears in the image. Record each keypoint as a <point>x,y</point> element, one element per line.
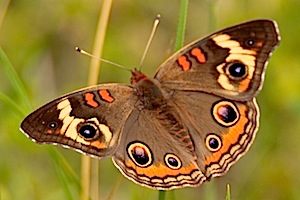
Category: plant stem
<point>161,195</point>
<point>181,24</point>
<point>87,164</point>
<point>228,192</point>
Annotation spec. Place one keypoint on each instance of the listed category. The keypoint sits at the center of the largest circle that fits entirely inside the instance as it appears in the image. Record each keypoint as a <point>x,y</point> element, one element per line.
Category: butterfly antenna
<point>154,28</point>
<point>101,59</point>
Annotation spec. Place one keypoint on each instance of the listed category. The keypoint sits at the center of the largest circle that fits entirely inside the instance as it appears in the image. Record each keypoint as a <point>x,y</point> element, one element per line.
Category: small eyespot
<point>236,70</point>
<point>250,42</point>
<point>88,130</point>
<point>140,154</point>
<point>213,142</point>
<point>53,125</point>
<point>172,161</point>
<point>225,113</point>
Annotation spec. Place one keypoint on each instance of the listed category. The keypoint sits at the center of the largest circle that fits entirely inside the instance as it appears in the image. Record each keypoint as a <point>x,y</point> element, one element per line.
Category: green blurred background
<point>39,39</point>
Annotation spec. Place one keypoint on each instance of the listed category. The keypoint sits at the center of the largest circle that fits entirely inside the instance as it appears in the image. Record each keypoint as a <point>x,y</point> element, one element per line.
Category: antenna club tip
<point>158,16</point>
<point>77,49</point>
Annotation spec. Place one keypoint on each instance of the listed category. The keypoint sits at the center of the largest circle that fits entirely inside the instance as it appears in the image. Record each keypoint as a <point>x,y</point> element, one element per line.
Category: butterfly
<point>189,123</point>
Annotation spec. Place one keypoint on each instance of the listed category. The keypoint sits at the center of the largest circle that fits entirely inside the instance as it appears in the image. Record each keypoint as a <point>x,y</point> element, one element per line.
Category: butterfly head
<point>137,76</point>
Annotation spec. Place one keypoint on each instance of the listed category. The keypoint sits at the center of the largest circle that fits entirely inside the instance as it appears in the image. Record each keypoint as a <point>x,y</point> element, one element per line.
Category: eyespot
<point>172,161</point>
<point>225,113</point>
<point>236,70</point>
<point>213,142</point>
<point>53,125</point>
<point>140,154</point>
<point>250,42</point>
<point>88,130</point>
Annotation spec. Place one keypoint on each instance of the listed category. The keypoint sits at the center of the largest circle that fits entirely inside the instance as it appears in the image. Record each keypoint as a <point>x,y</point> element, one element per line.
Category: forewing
<point>229,63</point>
<point>89,120</point>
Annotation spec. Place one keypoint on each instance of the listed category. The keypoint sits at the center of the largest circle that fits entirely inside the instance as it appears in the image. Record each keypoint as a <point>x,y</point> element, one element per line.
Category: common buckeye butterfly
<point>189,123</point>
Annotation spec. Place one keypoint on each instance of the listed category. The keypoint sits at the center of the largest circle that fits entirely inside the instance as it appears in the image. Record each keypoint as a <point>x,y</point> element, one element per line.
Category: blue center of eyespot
<point>237,70</point>
<point>250,42</point>
<point>53,125</point>
<point>87,131</point>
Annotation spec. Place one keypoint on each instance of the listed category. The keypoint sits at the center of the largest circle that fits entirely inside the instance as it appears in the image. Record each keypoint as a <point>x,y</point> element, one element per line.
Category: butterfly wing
<point>222,130</point>
<point>195,137</point>
<point>155,151</point>
<point>229,63</point>
<point>89,120</point>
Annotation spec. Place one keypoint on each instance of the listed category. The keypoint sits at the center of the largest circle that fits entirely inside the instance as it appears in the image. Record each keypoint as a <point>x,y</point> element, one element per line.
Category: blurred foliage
<point>39,38</point>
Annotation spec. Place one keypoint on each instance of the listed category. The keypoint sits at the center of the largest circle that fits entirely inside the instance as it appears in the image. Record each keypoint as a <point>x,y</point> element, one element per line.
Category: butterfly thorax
<point>150,94</point>
<point>148,90</point>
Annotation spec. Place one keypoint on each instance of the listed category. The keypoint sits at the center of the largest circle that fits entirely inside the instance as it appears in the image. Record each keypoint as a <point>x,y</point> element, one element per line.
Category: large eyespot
<point>236,70</point>
<point>172,161</point>
<point>213,142</point>
<point>225,113</point>
<point>88,130</point>
<point>140,154</point>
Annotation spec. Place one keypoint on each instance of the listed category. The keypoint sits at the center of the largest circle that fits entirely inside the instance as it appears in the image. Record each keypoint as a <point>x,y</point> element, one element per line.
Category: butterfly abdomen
<point>176,129</point>
<point>154,99</point>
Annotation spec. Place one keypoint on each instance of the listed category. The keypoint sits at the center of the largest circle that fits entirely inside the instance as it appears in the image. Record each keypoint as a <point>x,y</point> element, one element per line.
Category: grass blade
<point>87,163</point>
<point>20,89</point>
<point>3,9</point>
<point>14,79</point>
<point>211,5</point>
<point>62,169</point>
<point>181,24</point>
<point>228,192</point>
<point>161,195</point>
<point>12,105</point>
<point>115,188</point>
